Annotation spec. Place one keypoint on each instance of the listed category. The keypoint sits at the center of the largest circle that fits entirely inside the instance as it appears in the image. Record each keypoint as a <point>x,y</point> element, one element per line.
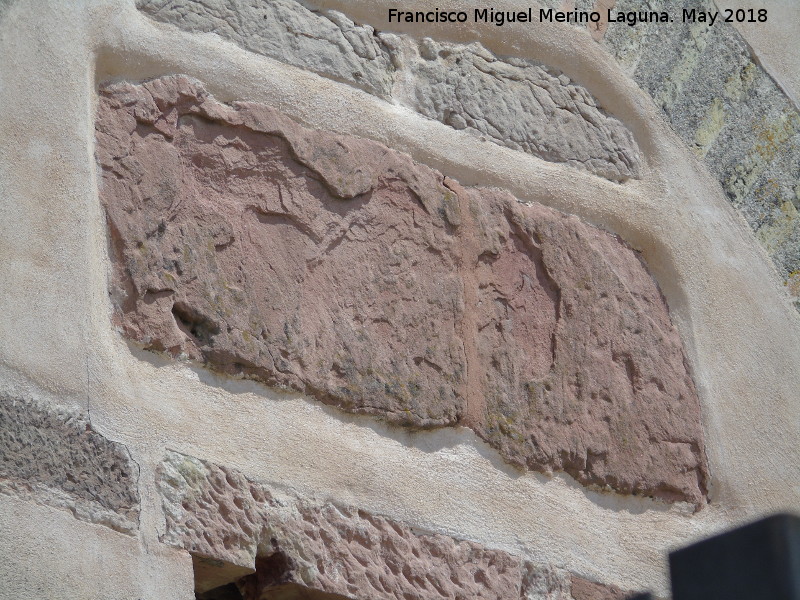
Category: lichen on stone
<point>728,109</point>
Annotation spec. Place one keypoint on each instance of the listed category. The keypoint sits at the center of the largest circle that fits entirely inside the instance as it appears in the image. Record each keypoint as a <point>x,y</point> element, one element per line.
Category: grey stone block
<point>327,43</point>
<point>51,455</point>
<point>519,104</point>
<point>512,102</point>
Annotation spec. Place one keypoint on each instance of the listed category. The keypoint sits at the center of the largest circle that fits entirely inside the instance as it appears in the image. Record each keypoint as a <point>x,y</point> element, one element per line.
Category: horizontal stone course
<point>51,455</point>
<point>510,101</point>
<point>303,546</point>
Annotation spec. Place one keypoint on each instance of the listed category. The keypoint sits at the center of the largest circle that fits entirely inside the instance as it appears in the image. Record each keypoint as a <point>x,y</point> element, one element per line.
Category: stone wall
<point>344,308</point>
<point>514,102</point>
<point>727,109</point>
<point>338,268</point>
<point>712,90</point>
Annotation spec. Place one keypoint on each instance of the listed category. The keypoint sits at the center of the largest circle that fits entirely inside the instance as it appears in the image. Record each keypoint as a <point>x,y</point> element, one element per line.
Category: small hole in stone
<point>194,324</point>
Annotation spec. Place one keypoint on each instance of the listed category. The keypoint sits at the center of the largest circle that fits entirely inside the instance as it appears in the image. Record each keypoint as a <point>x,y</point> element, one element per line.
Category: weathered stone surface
<point>519,104</point>
<point>513,102</point>
<point>51,455</point>
<point>728,109</point>
<point>339,268</point>
<point>326,42</point>
<point>321,264</point>
<point>296,544</point>
<point>578,365</point>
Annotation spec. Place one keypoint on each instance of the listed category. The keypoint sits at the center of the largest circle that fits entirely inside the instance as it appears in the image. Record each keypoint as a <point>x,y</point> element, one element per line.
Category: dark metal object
<point>760,561</point>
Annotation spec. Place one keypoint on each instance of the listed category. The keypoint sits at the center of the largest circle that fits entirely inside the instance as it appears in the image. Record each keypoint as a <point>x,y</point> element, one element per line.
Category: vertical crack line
<point>468,256</point>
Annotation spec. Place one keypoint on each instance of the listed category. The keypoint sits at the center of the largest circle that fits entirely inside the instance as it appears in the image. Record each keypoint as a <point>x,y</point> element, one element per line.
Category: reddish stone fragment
<point>322,264</point>
<point>300,548</point>
<point>339,268</point>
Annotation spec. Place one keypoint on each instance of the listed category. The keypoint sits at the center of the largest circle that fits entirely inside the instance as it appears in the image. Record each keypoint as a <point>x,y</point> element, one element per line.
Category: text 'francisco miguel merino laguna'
<point>549,15</point>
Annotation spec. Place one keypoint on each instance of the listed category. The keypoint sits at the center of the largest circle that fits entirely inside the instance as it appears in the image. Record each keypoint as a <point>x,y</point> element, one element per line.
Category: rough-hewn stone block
<point>297,544</point>
<point>513,102</point>
<point>336,267</point>
<point>51,455</point>
<point>516,103</point>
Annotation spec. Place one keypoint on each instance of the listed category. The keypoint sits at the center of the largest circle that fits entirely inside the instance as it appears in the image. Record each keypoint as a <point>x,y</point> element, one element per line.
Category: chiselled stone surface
<point>726,108</point>
<point>298,544</point>
<point>513,102</point>
<point>51,455</point>
<point>341,269</point>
